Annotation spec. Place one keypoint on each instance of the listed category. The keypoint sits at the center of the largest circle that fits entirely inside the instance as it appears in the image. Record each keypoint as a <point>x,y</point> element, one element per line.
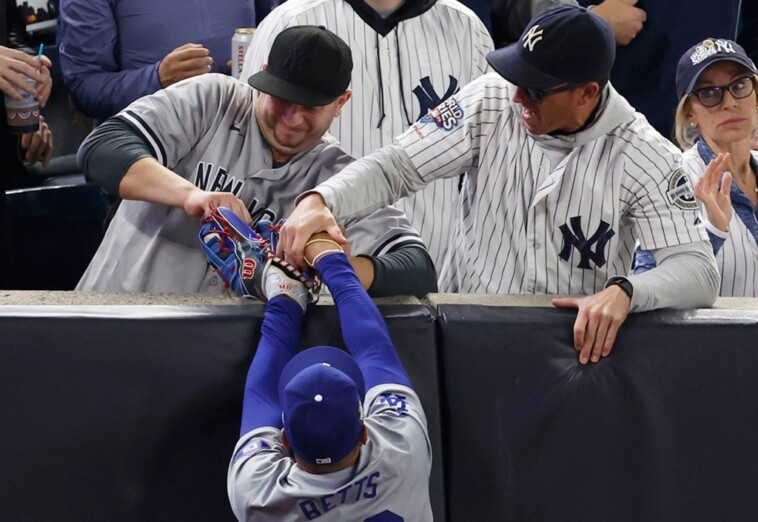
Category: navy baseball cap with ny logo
<point>564,44</point>
<point>308,65</point>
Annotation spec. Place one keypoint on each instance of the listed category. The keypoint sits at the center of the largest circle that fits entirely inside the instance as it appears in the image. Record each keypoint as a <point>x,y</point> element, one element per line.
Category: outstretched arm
<point>363,328</point>
<point>114,157</point>
<point>280,335</point>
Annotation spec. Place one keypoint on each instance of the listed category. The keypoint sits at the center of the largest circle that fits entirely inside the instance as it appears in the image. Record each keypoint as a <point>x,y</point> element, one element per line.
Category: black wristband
<point>623,283</point>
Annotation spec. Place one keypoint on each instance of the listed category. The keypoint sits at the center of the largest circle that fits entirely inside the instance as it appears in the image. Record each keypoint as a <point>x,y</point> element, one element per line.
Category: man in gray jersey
<point>562,178</point>
<point>356,429</point>
<point>212,141</point>
<point>409,55</point>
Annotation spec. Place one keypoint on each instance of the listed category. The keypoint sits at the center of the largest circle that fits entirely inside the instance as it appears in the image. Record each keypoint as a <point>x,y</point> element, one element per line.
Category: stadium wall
<point>130,411</point>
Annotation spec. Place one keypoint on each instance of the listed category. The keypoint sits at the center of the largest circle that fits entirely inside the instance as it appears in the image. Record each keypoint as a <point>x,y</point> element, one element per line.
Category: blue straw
<point>39,53</point>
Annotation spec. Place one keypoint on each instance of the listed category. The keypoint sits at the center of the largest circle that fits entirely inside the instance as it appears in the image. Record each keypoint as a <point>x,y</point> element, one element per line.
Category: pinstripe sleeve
<point>441,145</point>
<point>665,210</point>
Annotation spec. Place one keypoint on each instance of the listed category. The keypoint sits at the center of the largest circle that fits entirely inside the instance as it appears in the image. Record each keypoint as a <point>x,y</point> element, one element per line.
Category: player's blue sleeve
<point>88,45</point>
<point>363,328</point>
<point>280,337</point>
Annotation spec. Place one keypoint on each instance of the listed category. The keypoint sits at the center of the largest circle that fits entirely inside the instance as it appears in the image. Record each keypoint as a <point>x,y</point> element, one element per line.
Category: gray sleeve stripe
<point>150,137</point>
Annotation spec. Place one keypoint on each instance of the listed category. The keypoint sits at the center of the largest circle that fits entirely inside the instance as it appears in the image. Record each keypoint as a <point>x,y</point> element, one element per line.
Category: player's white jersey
<point>738,257</point>
<point>539,214</point>
<point>389,482</point>
<point>204,129</point>
<point>398,75</point>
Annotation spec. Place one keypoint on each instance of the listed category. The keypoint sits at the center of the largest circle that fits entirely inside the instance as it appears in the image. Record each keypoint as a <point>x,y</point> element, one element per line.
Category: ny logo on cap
<point>294,60</point>
<point>532,36</point>
<point>710,47</point>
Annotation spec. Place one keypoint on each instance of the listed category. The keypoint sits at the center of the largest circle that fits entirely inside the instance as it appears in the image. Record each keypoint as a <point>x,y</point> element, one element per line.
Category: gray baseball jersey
<point>538,214</point>
<point>389,482</point>
<point>204,130</point>
<point>737,259</point>
<point>398,76</point>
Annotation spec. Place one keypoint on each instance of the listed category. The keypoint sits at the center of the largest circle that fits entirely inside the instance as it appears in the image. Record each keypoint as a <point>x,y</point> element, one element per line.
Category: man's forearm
<point>280,335</point>
<point>370,183</point>
<point>686,277</point>
<point>117,159</point>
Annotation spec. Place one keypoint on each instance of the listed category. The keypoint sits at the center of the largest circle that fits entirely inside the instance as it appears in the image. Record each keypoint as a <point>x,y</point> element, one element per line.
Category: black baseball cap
<point>563,44</point>
<point>698,57</point>
<point>308,65</point>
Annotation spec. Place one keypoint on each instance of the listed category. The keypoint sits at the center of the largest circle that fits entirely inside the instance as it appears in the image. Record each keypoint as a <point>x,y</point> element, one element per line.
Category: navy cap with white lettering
<point>564,44</point>
<point>699,57</point>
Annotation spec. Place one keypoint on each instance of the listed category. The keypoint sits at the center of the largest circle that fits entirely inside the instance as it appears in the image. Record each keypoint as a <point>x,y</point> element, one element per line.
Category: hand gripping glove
<point>245,259</point>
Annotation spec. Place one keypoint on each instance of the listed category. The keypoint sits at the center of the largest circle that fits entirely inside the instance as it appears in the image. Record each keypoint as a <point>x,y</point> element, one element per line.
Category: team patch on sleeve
<point>447,115</point>
<point>680,192</point>
<point>253,447</point>
<point>395,403</point>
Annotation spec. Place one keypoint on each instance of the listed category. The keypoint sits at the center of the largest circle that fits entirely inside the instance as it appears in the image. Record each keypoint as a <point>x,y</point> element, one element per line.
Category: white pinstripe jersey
<point>204,130</point>
<point>422,61</point>
<point>738,257</point>
<point>390,481</point>
<point>538,214</point>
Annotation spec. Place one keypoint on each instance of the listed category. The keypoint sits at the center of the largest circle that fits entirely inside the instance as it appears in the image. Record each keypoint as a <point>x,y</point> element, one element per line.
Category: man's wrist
<point>623,283</point>
<point>311,198</point>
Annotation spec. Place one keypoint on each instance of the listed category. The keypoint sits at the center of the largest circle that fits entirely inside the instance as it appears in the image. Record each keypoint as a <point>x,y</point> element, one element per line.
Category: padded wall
<point>664,429</point>
<point>128,413</point>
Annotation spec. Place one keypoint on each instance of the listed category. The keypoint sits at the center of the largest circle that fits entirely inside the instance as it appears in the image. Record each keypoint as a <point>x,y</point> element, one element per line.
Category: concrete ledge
<point>29,297</point>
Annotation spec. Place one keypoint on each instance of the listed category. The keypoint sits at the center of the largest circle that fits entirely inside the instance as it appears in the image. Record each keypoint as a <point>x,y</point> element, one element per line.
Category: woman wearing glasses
<point>716,119</point>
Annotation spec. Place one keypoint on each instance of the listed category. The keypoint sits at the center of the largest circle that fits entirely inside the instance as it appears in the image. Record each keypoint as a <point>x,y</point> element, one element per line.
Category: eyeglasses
<point>538,95</point>
<point>714,95</point>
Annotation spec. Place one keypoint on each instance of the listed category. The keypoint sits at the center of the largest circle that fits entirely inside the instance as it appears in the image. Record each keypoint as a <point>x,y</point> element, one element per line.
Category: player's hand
<point>598,321</point>
<point>625,19</point>
<point>200,203</point>
<point>309,217</point>
<point>38,145</point>
<point>16,66</point>
<point>184,62</point>
<point>718,203</point>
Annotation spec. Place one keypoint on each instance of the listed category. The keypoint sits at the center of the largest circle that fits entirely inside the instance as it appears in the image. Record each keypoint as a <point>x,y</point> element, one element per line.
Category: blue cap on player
<point>700,56</point>
<point>564,44</point>
<point>321,392</point>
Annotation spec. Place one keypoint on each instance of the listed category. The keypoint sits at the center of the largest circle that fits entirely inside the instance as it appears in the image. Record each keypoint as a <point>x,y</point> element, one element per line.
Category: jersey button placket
<point>529,265</point>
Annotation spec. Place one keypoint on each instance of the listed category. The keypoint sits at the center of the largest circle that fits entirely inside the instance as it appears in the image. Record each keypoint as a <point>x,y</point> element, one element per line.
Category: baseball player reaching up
<point>213,141</point>
<point>325,435</point>
<point>562,177</point>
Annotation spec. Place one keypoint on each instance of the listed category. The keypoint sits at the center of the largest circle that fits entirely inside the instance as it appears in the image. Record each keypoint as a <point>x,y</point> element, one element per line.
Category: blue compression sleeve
<point>280,336</point>
<point>363,328</point>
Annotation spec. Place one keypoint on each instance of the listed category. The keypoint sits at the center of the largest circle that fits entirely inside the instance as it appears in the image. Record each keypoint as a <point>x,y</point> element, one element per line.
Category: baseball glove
<point>244,258</point>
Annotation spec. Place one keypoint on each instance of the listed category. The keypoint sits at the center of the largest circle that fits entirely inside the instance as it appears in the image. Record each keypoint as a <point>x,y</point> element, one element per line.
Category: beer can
<point>240,43</point>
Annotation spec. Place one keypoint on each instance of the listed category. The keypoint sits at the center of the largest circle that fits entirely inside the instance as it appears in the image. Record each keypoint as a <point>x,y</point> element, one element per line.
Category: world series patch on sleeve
<point>241,255</point>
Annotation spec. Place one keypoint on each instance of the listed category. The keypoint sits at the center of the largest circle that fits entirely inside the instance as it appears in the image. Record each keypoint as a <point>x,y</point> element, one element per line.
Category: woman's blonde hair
<point>686,134</point>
